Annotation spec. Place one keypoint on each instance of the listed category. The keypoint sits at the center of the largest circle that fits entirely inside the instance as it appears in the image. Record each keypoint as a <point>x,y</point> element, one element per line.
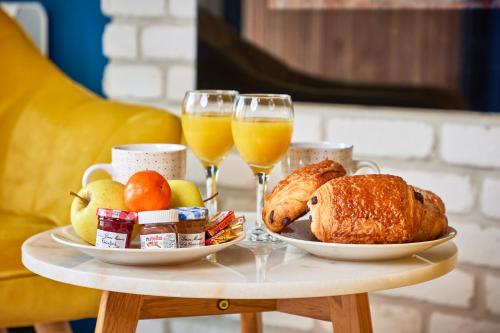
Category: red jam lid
<point>117,214</point>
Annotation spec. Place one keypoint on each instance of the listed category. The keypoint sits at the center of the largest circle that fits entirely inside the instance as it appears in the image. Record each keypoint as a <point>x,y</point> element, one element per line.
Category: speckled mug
<point>304,153</point>
<point>169,160</point>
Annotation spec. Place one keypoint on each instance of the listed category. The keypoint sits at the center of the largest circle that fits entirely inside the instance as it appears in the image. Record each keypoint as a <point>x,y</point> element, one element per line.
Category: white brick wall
<point>394,318</point>
<point>490,197</point>
<point>492,287</point>
<point>133,81</point>
<point>455,289</point>
<point>120,41</point>
<point>169,42</point>
<point>477,245</point>
<point>456,190</point>
<point>150,326</point>
<point>287,321</point>
<point>182,8</point>
<point>388,138</point>
<point>152,47</point>
<point>209,324</point>
<point>233,171</point>
<point>476,144</point>
<point>273,323</point>
<point>146,8</point>
<point>388,318</point>
<point>180,79</point>
<point>307,128</point>
<point>441,323</point>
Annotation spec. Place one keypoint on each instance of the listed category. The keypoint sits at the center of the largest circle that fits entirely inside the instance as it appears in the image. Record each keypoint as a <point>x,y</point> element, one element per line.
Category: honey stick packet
<point>219,222</point>
<point>232,231</point>
<point>221,237</point>
<point>237,224</point>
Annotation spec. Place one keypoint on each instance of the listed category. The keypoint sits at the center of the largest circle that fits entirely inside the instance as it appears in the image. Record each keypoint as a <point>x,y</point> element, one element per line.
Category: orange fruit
<point>147,190</point>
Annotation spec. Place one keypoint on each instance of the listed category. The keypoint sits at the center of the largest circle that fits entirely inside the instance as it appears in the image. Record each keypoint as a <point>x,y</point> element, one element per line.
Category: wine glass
<point>262,127</point>
<point>206,124</point>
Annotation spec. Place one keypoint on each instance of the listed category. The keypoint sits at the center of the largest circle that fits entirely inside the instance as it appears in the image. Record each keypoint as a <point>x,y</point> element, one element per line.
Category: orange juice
<point>208,135</point>
<point>262,141</point>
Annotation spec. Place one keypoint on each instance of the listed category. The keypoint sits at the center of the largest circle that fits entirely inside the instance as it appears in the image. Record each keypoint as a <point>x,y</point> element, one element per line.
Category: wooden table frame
<point>120,312</point>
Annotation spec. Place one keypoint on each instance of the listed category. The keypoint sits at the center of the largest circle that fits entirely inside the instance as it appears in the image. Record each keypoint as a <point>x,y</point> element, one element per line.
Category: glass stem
<point>211,173</point>
<point>262,180</point>
<point>261,265</point>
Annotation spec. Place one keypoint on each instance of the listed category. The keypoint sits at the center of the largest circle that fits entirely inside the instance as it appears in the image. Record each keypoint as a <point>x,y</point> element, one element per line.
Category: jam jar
<point>191,226</point>
<point>114,228</point>
<point>158,229</point>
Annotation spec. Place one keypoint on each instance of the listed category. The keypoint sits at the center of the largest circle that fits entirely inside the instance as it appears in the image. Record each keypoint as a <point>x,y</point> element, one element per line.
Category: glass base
<point>261,248</point>
<point>260,235</point>
<point>274,239</point>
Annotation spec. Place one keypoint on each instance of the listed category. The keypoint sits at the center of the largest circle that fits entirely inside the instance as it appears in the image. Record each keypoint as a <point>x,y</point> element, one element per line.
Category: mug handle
<point>107,167</point>
<point>366,164</point>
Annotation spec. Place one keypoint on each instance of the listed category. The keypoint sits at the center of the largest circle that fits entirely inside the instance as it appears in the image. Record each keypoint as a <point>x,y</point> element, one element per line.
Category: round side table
<point>237,280</point>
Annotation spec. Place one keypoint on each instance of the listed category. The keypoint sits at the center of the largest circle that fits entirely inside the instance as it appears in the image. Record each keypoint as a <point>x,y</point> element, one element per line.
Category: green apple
<point>104,193</point>
<point>184,194</point>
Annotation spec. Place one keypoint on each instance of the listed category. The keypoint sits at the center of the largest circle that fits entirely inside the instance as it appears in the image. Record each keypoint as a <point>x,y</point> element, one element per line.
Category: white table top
<point>238,273</point>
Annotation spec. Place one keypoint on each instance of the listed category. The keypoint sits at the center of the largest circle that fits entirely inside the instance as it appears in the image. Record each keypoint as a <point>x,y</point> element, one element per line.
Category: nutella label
<point>192,240</point>
<point>159,241</point>
<point>110,239</point>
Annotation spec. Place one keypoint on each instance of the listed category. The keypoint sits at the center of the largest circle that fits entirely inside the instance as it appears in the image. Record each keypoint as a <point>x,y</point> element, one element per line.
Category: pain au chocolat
<point>434,221</point>
<point>288,200</point>
<point>374,209</point>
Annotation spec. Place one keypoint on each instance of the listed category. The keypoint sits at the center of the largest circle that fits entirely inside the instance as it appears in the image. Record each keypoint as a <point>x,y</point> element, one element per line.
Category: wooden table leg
<point>118,312</point>
<point>350,313</point>
<point>251,322</point>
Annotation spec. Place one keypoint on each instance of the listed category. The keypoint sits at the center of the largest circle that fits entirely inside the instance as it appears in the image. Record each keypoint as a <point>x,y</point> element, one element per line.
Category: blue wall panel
<point>75,39</point>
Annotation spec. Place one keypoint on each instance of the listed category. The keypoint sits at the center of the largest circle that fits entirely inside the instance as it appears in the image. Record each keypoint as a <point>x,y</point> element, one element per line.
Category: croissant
<point>288,200</point>
<point>368,209</point>
<point>432,199</point>
<point>434,221</point>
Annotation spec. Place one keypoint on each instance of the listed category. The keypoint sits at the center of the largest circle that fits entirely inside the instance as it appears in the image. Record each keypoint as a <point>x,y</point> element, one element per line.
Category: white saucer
<point>135,256</point>
<point>299,234</point>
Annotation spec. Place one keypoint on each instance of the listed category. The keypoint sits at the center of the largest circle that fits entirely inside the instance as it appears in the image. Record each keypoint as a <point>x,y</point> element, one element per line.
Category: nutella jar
<point>191,226</point>
<point>114,228</point>
<point>158,229</point>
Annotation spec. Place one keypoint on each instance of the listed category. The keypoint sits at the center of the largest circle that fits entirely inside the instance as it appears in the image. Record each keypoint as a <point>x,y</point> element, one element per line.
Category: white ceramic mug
<point>169,160</point>
<point>300,154</point>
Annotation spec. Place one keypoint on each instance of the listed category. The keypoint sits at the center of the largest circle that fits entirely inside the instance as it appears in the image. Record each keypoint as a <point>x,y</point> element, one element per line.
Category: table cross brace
<point>119,312</point>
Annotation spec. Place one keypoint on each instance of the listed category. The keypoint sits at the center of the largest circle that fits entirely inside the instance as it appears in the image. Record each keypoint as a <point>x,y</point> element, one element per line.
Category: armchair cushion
<point>14,230</point>
<point>51,130</point>
<point>34,299</point>
<point>27,298</point>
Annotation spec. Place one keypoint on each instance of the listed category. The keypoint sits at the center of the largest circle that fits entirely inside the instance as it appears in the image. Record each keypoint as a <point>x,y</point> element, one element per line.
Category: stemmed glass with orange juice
<point>262,127</point>
<point>206,123</point>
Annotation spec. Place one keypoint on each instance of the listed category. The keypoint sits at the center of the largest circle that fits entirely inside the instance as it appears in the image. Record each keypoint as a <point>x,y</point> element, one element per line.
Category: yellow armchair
<point>51,130</point>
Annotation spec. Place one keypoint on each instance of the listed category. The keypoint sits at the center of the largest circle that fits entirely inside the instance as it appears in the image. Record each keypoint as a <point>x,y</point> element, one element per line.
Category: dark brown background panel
<point>410,47</point>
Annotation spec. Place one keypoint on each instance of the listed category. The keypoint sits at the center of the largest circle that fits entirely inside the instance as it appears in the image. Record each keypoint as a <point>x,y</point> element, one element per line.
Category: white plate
<point>300,235</point>
<point>135,256</point>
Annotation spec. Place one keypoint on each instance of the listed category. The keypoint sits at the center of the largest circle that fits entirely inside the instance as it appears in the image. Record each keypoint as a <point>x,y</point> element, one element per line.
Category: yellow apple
<point>104,193</point>
<point>184,193</point>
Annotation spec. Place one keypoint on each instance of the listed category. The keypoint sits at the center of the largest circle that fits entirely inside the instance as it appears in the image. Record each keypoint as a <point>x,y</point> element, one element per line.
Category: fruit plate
<point>299,234</point>
<point>135,256</point>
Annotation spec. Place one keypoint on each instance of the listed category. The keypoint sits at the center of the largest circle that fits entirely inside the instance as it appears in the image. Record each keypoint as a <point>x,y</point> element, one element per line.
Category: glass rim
<point>213,91</point>
<point>254,95</point>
